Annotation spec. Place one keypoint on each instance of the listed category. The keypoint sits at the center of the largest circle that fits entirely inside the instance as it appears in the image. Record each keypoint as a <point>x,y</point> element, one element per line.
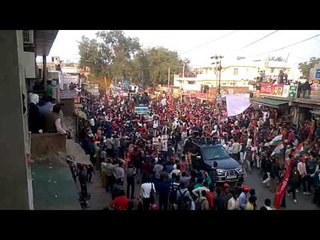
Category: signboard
<point>67,94</point>
<point>293,91</point>
<point>318,73</point>
<point>142,110</point>
<point>315,87</point>
<point>279,90</point>
<point>285,92</point>
<point>266,88</point>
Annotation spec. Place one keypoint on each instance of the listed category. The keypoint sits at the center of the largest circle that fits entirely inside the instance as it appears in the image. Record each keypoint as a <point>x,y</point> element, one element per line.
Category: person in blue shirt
<point>243,198</point>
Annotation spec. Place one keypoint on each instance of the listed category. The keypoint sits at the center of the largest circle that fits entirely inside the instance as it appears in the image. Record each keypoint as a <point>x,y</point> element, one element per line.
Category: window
<point>214,153</point>
<point>235,71</point>
<point>191,82</point>
<point>272,70</point>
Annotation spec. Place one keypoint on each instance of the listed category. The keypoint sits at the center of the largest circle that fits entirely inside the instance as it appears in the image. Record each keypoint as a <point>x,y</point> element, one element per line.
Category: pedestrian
<point>121,202</point>
<point>233,203</point>
<point>83,180</point>
<point>117,188</point>
<point>183,196</point>
<point>251,203</point>
<point>316,177</point>
<point>293,183</point>
<point>267,205</point>
<point>130,173</point>
<point>90,171</point>
<point>146,192</point>
<point>202,202</point>
<point>243,197</point>
<point>304,178</point>
<point>109,174</point>
<point>164,190</point>
<point>220,200</point>
<point>210,196</point>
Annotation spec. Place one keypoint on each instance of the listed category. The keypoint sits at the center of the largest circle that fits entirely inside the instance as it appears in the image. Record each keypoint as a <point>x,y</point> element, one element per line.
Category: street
<point>100,199</point>
<point>304,202</point>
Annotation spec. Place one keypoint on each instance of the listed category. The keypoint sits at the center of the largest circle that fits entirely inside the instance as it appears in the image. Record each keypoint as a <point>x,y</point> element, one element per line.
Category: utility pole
<point>219,89</point>
<point>183,69</point>
<point>168,78</point>
<point>218,69</point>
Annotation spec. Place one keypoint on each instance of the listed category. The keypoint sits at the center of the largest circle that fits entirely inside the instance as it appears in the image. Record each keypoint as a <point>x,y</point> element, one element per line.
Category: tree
<point>119,57</point>
<point>119,51</point>
<point>111,56</point>
<point>90,56</point>
<point>305,67</point>
<point>159,60</point>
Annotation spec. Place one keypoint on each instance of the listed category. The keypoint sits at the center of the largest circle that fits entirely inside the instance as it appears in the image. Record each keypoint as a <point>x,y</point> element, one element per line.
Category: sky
<point>199,45</point>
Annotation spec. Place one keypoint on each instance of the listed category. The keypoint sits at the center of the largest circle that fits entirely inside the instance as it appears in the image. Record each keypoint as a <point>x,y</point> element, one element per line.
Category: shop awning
<point>315,112</point>
<point>270,102</point>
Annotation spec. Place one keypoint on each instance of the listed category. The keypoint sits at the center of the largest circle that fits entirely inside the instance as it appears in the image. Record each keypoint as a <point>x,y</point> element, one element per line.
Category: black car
<point>206,153</point>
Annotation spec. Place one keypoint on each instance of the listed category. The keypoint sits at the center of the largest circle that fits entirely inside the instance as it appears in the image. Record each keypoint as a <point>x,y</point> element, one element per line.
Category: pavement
<point>101,199</point>
<point>304,202</point>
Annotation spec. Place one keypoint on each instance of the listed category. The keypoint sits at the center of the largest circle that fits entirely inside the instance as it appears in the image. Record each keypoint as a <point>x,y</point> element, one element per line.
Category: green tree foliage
<point>160,59</point>
<point>119,57</point>
<point>305,67</point>
<point>90,56</point>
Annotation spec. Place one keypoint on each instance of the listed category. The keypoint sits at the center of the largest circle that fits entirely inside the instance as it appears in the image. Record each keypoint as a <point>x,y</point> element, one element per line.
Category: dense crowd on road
<point>146,152</point>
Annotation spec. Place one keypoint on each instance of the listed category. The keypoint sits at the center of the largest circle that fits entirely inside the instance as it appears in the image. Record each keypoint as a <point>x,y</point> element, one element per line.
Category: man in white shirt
<point>301,167</point>
<point>233,203</point>
<point>147,188</point>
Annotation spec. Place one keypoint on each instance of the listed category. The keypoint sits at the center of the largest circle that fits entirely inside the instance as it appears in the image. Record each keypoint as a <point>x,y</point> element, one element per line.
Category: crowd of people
<point>146,152</point>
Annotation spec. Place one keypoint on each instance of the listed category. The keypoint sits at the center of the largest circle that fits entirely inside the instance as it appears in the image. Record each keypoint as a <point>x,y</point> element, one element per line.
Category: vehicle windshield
<point>214,153</point>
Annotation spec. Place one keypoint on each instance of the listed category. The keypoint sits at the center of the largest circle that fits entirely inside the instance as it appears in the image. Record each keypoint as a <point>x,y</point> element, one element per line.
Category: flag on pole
<point>278,149</point>
<point>299,149</point>
<point>276,140</point>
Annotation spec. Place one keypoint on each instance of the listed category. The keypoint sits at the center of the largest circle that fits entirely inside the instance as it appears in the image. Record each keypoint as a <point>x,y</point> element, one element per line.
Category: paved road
<point>100,199</point>
<point>304,202</point>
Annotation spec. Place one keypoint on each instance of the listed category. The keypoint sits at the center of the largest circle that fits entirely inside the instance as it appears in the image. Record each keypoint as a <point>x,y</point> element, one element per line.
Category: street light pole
<point>183,70</point>
<point>218,69</point>
<point>219,89</point>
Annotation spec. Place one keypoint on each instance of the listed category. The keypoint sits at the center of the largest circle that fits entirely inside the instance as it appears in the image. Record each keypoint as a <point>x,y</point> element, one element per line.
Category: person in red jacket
<point>120,202</point>
<point>210,196</point>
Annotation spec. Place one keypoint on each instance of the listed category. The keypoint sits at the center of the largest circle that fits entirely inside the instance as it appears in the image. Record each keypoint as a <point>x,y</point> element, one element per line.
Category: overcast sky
<point>199,46</point>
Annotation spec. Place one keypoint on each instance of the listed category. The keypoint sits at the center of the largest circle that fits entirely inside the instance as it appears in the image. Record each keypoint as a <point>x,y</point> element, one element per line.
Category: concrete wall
<point>29,62</point>
<point>14,185</point>
<point>47,144</point>
<point>68,108</point>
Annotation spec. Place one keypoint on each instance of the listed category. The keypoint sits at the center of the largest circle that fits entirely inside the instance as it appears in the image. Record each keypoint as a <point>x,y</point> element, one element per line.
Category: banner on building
<point>279,90</point>
<point>315,87</point>
<point>293,91</point>
<point>237,103</point>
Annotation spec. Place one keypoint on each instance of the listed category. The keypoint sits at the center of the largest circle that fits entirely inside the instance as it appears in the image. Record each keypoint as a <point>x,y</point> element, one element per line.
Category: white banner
<point>237,103</point>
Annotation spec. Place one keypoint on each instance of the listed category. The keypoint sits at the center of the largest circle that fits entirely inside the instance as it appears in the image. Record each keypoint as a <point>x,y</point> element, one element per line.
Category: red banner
<point>283,184</point>
<point>198,95</point>
<point>270,89</point>
<point>266,88</point>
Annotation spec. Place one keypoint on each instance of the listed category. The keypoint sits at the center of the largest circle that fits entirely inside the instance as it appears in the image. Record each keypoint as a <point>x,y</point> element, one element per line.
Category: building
<point>235,77</point>
<point>18,67</point>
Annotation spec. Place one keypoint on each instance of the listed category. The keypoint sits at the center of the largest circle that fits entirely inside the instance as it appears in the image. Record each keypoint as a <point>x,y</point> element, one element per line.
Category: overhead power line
<point>290,45</point>
<point>260,39</point>
<point>214,40</point>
